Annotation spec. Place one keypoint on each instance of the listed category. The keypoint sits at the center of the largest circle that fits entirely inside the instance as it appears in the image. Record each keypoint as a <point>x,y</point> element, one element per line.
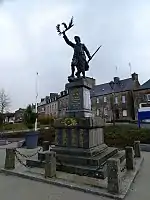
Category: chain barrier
<point>21,162</point>
<point>17,154</point>
<point>28,156</point>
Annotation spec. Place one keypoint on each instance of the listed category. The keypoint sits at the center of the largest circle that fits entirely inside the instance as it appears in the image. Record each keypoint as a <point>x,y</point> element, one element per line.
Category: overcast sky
<point>29,43</point>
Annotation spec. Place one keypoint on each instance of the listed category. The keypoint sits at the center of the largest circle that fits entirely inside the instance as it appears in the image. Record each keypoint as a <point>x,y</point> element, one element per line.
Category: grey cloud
<point>120,26</point>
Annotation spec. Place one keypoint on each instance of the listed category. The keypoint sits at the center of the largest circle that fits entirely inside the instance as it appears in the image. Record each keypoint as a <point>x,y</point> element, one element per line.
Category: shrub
<point>124,135</point>
<point>46,120</point>
<point>29,117</point>
<point>47,135</point>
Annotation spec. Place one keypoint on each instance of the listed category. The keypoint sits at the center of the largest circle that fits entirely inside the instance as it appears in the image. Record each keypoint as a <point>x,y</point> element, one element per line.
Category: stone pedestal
<point>79,132</point>
<point>79,98</point>
<point>129,158</point>
<point>79,139</point>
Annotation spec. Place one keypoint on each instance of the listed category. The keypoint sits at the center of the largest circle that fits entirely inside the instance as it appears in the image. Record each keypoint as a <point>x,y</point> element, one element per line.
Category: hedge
<point>124,135</point>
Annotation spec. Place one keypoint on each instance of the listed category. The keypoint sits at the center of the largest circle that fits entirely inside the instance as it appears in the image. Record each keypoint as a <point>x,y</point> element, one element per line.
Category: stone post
<point>113,172</point>
<point>129,158</point>
<point>50,164</point>
<point>137,150</point>
<point>45,145</point>
<point>10,158</point>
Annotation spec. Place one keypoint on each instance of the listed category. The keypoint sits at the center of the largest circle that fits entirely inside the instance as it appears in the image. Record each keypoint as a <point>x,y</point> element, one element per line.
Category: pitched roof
<point>104,89</point>
<point>146,85</point>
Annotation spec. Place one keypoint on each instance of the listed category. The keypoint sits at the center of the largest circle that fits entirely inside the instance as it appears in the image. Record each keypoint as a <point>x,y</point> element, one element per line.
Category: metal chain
<point>21,162</point>
<point>28,156</point>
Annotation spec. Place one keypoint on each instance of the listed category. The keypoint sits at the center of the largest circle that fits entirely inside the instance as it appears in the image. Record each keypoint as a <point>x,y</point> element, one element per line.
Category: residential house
<point>49,105</point>
<point>63,103</point>
<point>142,97</point>
<point>41,106</point>
<point>9,117</point>
<point>19,115</point>
<point>115,97</point>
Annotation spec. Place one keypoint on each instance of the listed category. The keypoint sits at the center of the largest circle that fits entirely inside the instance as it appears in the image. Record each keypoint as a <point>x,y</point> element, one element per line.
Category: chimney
<point>116,80</point>
<point>134,76</point>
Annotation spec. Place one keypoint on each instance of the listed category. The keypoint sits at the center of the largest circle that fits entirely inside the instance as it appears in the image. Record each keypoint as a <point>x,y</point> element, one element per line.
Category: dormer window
<point>148,97</point>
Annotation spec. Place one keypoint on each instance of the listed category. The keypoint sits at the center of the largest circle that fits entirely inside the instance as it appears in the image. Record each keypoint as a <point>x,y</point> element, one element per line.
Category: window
<point>124,113</point>
<point>47,110</point>
<point>123,99</point>
<point>116,100</point>
<point>97,112</point>
<point>105,99</point>
<point>148,97</point>
<point>105,111</point>
<point>97,100</point>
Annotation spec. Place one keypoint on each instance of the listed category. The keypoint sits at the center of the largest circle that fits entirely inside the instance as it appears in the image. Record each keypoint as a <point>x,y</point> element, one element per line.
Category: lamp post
<point>112,84</point>
<point>36,90</point>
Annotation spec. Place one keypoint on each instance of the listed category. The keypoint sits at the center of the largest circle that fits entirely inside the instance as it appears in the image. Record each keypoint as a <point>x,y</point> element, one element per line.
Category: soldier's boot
<point>83,73</point>
<point>78,74</point>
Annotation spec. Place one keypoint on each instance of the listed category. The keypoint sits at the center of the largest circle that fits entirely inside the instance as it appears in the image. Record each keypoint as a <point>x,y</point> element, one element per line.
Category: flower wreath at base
<point>69,122</point>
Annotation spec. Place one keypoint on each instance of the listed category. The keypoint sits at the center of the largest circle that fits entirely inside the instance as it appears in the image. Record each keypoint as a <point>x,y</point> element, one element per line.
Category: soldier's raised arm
<point>67,40</point>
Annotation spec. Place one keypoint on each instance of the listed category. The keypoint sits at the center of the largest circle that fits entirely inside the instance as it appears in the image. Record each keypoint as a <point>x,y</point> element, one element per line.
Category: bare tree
<point>4,101</point>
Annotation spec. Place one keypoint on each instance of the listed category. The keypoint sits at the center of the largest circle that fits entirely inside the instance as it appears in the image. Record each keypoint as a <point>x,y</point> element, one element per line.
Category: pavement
<point>22,189</point>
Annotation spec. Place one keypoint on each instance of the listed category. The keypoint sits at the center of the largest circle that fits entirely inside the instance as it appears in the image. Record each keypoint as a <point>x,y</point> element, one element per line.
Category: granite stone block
<point>137,150</point>
<point>114,179</point>
<point>129,158</point>
<point>10,158</point>
<point>50,164</point>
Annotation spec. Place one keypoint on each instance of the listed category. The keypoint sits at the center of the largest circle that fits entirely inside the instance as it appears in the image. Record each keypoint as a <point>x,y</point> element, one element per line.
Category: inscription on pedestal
<point>75,99</point>
<point>74,138</point>
<point>65,138</point>
<point>81,138</point>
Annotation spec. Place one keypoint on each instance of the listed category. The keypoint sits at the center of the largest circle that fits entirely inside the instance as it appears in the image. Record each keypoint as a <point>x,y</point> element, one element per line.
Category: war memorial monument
<point>80,159</point>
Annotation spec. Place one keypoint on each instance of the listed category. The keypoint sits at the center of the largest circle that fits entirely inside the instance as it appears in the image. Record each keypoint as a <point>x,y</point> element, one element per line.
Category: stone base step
<point>120,155</point>
<point>80,151</point>
<point>82,160</point>
<point>96,172</point>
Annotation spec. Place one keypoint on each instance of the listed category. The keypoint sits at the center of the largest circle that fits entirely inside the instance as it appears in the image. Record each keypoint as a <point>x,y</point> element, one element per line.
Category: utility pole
<point>36,90</point>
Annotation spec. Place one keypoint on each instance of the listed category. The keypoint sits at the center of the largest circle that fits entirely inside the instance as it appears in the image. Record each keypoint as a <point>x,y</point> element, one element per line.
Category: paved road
<point>12,187</point>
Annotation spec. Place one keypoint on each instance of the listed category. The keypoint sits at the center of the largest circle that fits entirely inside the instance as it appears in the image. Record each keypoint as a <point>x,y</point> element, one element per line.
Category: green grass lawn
<point>14,127</point>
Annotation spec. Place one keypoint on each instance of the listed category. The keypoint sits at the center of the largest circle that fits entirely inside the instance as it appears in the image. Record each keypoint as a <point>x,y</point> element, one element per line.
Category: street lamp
<point>112,84</point>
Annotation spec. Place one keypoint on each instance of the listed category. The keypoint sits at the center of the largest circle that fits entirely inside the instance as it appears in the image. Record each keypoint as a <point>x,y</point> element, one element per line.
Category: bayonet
<point>94,53</point>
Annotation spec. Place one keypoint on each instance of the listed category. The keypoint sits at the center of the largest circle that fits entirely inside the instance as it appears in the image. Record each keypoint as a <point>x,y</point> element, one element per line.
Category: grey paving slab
<point>140,190</point>
<point>22,189</point>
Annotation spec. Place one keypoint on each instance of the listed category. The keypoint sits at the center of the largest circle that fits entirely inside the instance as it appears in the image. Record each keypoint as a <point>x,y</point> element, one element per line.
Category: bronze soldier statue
<point>79,58</point>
